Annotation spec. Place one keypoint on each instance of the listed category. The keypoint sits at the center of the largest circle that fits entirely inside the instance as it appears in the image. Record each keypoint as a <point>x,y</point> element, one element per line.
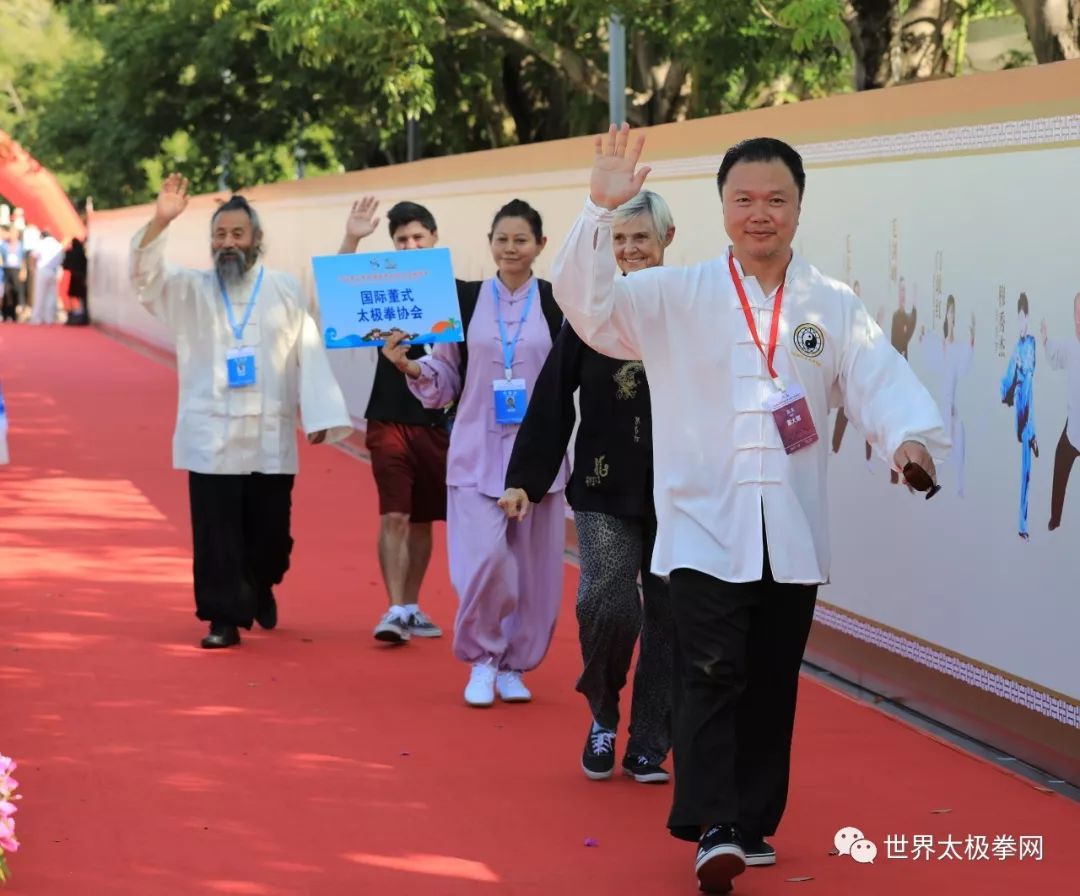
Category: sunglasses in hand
<point>920,480</point>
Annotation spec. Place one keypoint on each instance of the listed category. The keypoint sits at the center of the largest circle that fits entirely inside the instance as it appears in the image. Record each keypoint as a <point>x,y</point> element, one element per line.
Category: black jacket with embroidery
<point>613,469</point>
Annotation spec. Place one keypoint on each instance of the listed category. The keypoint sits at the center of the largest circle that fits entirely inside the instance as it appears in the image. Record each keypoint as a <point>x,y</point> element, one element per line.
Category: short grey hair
<point>653,206</point>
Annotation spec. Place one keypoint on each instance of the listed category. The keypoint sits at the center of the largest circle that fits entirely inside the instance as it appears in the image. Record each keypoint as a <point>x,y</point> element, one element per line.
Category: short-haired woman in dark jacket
<point>611,493</point>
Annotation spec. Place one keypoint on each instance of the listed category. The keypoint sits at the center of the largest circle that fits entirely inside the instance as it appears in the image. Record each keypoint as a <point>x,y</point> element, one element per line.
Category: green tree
<point>232,90</point>
<point>37,43</point>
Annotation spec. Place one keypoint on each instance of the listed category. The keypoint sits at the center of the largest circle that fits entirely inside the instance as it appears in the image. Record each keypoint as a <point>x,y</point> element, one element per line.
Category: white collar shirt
<point>251,429</point>
<point>719,463</point>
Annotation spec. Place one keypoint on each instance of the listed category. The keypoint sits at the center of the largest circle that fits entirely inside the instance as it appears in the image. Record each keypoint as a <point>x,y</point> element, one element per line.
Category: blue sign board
<point>365,297</point>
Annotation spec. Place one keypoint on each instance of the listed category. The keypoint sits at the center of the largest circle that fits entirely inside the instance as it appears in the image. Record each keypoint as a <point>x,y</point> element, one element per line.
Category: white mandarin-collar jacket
<point>250,429</point>
<point>719,461</point>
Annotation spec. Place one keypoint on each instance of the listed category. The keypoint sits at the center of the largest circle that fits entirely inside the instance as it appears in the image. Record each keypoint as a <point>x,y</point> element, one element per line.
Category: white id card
<point>511,401</point>
<point>240,364</point>
<point>793,420</point>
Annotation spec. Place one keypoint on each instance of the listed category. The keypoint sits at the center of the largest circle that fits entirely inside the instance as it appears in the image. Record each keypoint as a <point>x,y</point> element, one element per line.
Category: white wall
<point>993,205</point>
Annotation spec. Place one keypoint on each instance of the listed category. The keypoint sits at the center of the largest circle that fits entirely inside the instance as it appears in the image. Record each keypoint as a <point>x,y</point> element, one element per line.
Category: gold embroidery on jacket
<point>600,470</point>
<point>627,381</point>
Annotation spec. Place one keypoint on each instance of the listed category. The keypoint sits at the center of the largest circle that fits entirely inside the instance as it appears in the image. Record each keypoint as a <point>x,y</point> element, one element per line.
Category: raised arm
<point>150,275</point>
<point>599,306</point>
<point>1055,349</point>
<point>171,201</point>
<point>361,223</point>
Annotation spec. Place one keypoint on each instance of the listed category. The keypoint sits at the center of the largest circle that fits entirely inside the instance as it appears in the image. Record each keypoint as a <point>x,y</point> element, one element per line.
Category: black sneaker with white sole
<point>720,858</point>
<point>392,628</point>
<point>420,625</point>
<point>598,757</point>
<point>644,770</point>
<point>759,852</point>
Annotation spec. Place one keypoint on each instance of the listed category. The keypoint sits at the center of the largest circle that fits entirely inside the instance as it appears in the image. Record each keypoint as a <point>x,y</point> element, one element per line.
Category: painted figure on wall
<point>1017,391</point>
<point>1064,354</point>
<point>900,334</point>
<point>950,359</point>
<point>840,425</point>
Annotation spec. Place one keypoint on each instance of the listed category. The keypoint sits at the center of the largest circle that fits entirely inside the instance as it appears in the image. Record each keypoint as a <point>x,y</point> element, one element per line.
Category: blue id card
<point>240,364</point>
<point>511,400</point>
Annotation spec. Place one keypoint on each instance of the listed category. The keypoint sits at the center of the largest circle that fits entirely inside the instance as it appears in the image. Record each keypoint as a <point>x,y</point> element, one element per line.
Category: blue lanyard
<point>238,331</point>
<point>509,347</point>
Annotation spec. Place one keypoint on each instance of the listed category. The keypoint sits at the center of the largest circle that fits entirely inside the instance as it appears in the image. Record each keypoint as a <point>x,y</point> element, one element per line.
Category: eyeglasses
<point>920,480</point>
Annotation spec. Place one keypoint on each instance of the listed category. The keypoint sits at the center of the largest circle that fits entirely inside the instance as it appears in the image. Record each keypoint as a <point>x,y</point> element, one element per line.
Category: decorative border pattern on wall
<point>969,673</point>
<point>1029,132</point>
<point>999,135</point>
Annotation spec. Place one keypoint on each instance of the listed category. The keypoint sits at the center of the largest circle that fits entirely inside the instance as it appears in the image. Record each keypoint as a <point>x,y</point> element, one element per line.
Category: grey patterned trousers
<point>611,614</point>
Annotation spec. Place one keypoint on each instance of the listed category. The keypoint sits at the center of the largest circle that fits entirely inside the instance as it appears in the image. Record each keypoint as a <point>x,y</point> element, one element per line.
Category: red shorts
<point>409,463</point>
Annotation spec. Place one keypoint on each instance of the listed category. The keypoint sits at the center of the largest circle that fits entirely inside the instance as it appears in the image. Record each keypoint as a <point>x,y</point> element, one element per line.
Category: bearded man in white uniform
<point>250,357</point>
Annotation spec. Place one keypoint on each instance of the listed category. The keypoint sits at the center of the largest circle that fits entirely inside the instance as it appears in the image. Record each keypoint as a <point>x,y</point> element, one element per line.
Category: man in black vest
<point>408,446</point>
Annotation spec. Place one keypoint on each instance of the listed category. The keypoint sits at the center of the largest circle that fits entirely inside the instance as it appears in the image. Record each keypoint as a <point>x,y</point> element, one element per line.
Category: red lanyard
<point>774,330</point>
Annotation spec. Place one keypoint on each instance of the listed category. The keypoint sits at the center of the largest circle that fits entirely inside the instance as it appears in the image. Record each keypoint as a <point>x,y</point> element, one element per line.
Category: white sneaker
<point>392,628</point>
<point>480,691</point>
<point>511,688</point>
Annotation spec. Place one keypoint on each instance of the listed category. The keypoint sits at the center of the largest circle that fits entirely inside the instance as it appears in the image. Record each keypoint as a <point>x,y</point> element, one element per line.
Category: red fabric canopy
<point>24,182</point>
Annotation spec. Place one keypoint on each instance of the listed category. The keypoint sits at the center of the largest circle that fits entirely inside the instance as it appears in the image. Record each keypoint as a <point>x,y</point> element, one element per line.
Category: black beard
<point>231,264</point>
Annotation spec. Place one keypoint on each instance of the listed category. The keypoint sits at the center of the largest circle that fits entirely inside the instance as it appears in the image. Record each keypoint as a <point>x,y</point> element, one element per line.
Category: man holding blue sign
<point>408,446</point>
<point>249,356</point>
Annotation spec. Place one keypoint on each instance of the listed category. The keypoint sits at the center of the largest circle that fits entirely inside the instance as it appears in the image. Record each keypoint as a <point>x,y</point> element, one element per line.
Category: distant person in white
<point>48,254</point>
<point>742,523</point>
<point>250,357</point>
<point>1064,354</point>
<point>950,359</point>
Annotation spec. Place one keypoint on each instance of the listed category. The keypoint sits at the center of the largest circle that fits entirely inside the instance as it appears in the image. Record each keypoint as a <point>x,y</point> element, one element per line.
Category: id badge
<point>793,420</point>
<point>240,363</point>
<point>510,401</point>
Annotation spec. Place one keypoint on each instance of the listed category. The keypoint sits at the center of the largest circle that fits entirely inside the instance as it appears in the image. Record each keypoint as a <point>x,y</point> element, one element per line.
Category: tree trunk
<point>579,70</point>
<point>874,26</point>
<point>517,102</point>
<point>661,87</point>
<point>926,30</point>
<point>891,47</point>
<point>1053,27</point>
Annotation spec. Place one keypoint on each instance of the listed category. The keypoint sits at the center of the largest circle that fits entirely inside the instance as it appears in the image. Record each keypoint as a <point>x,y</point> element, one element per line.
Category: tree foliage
<point>239,91</point>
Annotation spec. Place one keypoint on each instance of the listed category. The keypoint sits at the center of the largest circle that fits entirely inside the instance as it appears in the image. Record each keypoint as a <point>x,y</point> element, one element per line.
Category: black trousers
<point>1064,458</point>
<point>738,650</point>
<point>12,290</point>
<point>240,534</point>
<point>613,615</point>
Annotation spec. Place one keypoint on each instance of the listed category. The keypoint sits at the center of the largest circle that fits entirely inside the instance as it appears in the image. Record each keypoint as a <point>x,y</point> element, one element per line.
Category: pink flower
<point>8,843</point>
<point>7,809</point>
<point>7,764</point>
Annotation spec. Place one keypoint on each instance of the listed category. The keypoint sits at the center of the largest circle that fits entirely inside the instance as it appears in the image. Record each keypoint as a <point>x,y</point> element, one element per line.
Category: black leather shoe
<point>220,636</point>
<point>266,614</point>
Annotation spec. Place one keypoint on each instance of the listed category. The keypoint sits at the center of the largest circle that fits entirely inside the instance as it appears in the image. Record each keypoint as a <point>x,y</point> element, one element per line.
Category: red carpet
<point>314,761</point>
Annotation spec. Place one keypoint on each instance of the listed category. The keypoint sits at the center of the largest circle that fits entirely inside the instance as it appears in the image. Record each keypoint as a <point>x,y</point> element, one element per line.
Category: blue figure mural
<point>1017,390</point>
